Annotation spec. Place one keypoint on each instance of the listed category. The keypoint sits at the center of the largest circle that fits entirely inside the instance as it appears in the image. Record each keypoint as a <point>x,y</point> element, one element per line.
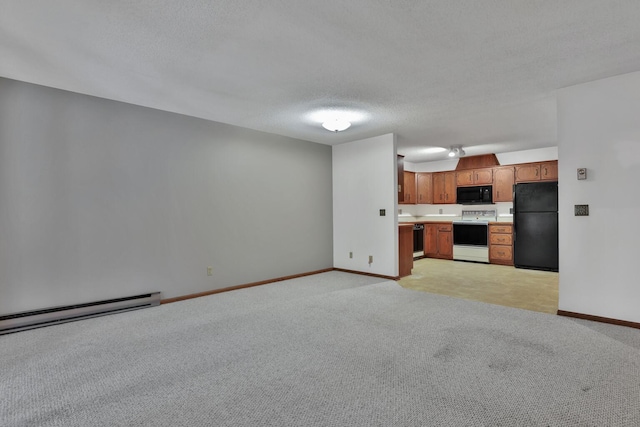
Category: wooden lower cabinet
<point>501,244</point>
<point>405,243</point>
<point>438,240</point>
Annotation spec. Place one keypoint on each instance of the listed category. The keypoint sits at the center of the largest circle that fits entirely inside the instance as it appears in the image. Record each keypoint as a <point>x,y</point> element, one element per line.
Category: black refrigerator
<point>535,222</point>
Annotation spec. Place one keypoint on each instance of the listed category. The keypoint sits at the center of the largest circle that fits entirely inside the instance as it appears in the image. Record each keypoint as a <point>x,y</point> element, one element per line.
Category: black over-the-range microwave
<point>477,195</point>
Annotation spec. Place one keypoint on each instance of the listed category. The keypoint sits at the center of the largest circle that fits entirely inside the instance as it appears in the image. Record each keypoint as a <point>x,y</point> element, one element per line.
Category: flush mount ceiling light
<point>336,120</point>
<point>456,151</point>
<point>336,124</point>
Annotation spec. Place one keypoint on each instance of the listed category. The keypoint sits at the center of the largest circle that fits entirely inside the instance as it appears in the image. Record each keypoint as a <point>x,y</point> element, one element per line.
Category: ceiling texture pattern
<point>477,73</point>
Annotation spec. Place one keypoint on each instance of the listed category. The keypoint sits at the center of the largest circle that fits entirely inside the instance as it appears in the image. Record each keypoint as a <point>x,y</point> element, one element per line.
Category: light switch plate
<point>581,210</point>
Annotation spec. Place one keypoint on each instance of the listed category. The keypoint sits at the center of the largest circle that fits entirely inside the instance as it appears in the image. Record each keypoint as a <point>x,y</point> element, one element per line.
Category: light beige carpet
<point>323,350</point>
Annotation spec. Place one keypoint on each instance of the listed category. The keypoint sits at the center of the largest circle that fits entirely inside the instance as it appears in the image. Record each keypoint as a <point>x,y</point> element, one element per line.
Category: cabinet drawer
<point>447,227</point>
<point>501,229</point>
<point>500,252</point>
<point>500,239</point>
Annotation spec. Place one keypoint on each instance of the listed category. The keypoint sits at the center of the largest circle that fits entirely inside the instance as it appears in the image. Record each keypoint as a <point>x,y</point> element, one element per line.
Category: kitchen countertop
<point>442,220</point>
<point>434,218</point>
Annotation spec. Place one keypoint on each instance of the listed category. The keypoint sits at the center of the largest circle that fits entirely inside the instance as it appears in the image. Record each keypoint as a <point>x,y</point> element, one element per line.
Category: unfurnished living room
<point>314,213</point>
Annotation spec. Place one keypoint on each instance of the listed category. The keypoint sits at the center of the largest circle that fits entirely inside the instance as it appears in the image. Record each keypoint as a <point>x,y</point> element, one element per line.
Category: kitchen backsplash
<point>411,213</point>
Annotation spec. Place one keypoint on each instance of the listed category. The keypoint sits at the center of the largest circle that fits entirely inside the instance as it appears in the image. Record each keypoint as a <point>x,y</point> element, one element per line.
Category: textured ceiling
<point>481,73</point>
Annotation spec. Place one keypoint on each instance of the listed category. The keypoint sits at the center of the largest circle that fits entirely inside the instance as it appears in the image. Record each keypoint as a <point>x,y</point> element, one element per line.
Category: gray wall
<point>101,199</point>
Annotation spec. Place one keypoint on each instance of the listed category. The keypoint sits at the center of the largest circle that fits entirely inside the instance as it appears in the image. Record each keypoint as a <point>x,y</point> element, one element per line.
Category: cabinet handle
<point>498,193</point>
<point>536,172</point>
<point>446,196</point>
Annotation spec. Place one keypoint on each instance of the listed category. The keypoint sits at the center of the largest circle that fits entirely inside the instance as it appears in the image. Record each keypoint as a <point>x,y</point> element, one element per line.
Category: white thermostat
<point>582,173</point>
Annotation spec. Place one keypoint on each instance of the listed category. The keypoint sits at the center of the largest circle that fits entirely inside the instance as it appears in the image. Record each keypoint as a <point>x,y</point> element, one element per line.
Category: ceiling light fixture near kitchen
<point>336,125</point>
<point>456,151</point>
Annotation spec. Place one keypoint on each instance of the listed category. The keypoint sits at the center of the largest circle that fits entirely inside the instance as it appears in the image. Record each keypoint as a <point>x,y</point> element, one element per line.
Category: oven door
<point>470,241</point>
<point>470,234</point>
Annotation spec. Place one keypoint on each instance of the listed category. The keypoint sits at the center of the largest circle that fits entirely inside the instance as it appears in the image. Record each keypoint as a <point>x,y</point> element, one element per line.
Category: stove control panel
<point>479,215</point>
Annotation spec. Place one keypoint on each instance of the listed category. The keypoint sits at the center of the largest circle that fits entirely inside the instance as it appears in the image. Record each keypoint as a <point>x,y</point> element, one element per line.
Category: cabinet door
<point>528,172</point>
<point>430,240</point>
<point>464,178</point>
<point>503,181</point>
<point>438,188</point>
<point>445,244</point>
<point>405,244</point>
<point>409,188</point>
<point>483,176</point>
<point>424,188</point>
<point>450,187</point>
<point>549,171</point>
<point>501,254</point>
<point>400,160</point>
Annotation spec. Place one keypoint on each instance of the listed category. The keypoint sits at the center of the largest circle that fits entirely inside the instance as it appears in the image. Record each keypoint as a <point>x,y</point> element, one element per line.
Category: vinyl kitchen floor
<point>495,284</point>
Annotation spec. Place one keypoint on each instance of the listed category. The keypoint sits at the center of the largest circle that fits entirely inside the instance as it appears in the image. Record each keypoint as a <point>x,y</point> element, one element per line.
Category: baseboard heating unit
<point>52,316</point>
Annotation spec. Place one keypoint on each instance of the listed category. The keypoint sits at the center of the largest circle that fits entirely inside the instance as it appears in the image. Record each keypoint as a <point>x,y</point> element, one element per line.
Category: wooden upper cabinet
<point>474,177</point>
<point>545,171</point>
<point>400,160</point>
<point>483,176</point>
<point>464,177</point>
<point>549,171</point>
<point>424,188</point>
<point>438,187</point>
<point>503,180</point>
<point>409,188</point>
<point>444,187</point>
<point>450,187</point>
<point>527,172</point>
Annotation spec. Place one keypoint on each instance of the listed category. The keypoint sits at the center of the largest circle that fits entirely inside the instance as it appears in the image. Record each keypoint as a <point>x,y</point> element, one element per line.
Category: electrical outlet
<point>370,259</point>
<point>209,271</point>
<point>350,254</point>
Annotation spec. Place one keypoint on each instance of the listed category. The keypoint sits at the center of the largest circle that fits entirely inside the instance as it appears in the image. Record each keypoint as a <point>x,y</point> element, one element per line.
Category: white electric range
<point>471,235</point>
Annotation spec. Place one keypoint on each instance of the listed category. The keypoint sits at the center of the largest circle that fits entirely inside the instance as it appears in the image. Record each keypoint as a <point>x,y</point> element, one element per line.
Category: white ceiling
<point>481,73</point>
